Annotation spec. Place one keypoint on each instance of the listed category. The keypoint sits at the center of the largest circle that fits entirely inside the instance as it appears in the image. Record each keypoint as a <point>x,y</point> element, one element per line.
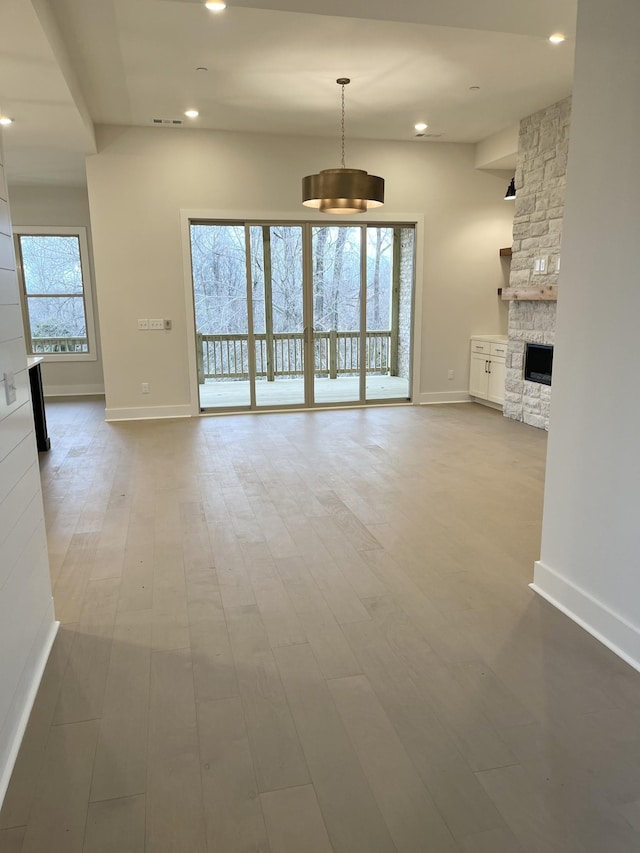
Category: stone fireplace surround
<point>529,322</point>
<point>537,232</point>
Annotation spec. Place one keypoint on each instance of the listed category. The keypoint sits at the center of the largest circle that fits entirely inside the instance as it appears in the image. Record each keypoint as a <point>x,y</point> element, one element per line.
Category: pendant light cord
<point>343,125</point>
<point>343,81</point>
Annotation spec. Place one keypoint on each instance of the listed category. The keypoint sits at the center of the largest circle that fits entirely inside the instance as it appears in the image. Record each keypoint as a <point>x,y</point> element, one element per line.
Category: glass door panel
<point>278,322</point>
<point>218,258</point>
<point>389,311</point>
<point>336,295</point>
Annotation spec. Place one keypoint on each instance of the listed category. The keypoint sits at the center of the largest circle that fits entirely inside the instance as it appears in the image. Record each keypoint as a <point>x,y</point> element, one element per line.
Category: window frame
<point>87,289</point>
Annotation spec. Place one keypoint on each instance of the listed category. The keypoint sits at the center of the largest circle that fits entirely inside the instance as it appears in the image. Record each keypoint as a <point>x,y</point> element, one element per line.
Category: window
<point>53,268</point>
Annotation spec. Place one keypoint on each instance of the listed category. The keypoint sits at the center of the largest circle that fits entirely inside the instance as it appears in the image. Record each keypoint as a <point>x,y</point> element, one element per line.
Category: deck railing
<point>336,353</point>
<point>59,345</point>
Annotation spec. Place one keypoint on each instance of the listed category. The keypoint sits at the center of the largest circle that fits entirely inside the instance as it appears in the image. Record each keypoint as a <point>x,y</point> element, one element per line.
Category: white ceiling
<point>272,66</point>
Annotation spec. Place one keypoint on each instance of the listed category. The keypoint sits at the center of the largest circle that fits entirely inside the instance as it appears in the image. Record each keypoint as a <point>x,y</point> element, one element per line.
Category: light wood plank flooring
<point>312,632</point>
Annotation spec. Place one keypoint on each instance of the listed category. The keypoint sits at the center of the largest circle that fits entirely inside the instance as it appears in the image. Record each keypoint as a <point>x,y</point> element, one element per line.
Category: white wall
<point>64,206</point>
<point>142,177</point>
<point>27,626</point>
<point>500,150</point>
<point>590,557</point>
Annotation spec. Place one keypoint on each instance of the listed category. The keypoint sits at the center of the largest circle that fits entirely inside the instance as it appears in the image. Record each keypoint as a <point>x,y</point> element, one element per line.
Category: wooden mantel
<point>547,293</point>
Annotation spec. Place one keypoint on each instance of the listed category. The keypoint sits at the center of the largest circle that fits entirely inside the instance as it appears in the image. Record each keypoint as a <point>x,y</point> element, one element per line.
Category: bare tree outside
<point>52,275</point>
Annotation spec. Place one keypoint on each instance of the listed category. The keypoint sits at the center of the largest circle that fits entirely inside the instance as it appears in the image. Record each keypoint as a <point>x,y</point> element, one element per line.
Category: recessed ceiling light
<point>192,113</point>
<point>556,38</point>
<point>6,120</point>
<point>421,125</point>
<point>216,6</point>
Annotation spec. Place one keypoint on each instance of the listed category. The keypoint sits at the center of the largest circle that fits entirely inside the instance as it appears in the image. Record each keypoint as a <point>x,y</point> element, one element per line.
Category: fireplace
<point>538,362</point>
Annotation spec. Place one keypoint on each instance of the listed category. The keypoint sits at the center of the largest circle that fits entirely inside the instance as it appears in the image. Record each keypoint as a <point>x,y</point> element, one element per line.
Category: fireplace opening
<point>538,362</point>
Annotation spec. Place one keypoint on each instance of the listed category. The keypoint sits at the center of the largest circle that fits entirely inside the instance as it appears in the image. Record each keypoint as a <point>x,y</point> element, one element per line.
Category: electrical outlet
<point>156,324</point>
<point>143,325</point>
<point>450,374</point>
<point>145,387</point>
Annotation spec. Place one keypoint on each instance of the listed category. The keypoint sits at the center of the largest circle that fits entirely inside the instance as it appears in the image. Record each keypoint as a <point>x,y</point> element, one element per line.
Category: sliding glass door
<point>337,291</point>
<point>221,308</point>
<point>299,315</point>
<point>278,314</point>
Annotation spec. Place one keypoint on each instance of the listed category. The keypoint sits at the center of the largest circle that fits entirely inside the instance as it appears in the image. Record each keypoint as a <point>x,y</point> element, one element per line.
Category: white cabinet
<point>487,368</point>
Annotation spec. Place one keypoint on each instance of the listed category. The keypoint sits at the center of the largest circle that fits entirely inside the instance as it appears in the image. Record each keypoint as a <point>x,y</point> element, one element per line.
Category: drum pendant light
<point>343,190</point>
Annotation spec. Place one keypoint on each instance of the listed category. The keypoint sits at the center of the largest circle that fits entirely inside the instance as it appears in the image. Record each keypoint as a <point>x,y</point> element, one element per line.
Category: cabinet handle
<point>486,364</point>
<point>489,363</point>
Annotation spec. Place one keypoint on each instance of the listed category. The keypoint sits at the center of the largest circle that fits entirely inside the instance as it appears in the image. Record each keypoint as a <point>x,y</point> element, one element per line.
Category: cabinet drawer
<point>499,349</point>
<point>481,346</point>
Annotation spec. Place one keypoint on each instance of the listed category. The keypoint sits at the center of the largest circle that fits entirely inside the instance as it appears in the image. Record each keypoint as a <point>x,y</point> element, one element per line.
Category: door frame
<point>252,217</point>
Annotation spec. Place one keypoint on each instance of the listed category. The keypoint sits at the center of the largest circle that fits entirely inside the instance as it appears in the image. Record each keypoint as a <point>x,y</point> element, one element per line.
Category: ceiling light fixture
<point>556,38</point>
<point>343,190</point>
<point>216,6</point>
<point>421,126</point>
<point>191,113</point>
<point>510,194</point>
<point>5,120</point>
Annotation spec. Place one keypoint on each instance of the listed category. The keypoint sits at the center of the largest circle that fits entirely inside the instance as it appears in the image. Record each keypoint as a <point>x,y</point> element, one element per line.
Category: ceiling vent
<point>167,122</point>
<point>429,135</point>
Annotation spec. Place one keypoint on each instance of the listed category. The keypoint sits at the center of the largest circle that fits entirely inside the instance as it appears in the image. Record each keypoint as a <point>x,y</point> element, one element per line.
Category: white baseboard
<point>607,626</point>
<point>36,667</point>
<point>432,397</point>
<point>72,390</point>
<point>141,413</point>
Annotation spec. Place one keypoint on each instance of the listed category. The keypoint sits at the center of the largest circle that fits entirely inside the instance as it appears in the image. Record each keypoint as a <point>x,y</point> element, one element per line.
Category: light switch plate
<point>10,387</point>
<point>156,324</point>
<point>142,325</point>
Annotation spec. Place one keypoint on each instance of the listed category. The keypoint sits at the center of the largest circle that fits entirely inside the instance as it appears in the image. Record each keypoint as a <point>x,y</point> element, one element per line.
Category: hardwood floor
<point>312,632</point>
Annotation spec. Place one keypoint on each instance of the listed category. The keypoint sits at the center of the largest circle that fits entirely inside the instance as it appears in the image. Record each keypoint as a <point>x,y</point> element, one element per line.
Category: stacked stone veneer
<point>407,242</point>
<point>537,233</point>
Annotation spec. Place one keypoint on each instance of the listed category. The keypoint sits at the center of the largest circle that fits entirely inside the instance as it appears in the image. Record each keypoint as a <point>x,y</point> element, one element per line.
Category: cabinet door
<point>497,373</point>
<point>478,376</point>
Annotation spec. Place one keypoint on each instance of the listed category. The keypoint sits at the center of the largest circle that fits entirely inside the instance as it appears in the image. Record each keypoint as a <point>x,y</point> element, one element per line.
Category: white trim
<point>610,628</point>
<point>430,397</point>
<point>80,232</point>
<point>143,413</point>
<point>21,724</point>
<point>73,390</point>
<point>298,217</point>
<point>194,402</point>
